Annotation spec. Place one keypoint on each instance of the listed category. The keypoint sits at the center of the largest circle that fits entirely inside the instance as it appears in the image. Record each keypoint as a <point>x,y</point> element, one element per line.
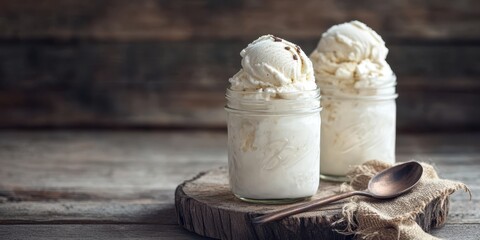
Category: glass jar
<point>357,125</point>
<point>273,145</point>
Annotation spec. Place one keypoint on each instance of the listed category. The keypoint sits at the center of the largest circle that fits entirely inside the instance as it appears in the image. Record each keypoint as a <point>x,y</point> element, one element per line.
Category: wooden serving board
<point>206,206</point>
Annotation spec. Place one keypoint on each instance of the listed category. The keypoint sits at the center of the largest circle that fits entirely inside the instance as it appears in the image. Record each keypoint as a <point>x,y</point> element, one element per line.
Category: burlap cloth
<point>392,219</point>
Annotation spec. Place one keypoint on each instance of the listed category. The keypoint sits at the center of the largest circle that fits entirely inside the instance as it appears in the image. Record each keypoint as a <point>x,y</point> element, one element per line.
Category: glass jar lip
<point>381,87</point>
<point>248,96</point>
<point>384,91</point>
<point>273,113</point>
<point>390,84</point>
<point>273,103</point>
<point>361,98</point>
<point>316,90</point>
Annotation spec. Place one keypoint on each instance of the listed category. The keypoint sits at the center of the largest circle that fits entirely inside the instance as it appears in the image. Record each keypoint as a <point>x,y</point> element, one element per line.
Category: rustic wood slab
<point>206,206</point>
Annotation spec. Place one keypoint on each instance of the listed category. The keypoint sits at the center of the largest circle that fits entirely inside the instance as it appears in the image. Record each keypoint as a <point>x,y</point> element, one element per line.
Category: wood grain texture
<point>182,84</point>
<point>142,231</point>
<point>455,231</point>
<point>113,164</point>
<point>130,176</point>
<point>205,205</point>
<point>179,20</point>
<point>75,211</point>
<point>165,63</point>
<point>100,231</point>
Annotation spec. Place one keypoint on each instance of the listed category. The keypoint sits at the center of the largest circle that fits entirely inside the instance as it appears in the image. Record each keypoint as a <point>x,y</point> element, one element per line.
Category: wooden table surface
<point>120,184</point>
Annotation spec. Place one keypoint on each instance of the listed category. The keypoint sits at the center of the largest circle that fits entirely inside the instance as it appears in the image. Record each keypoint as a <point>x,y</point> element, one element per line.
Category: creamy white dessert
<point>271,64</point>
<point>273,123</point>
<point>358,92</point>
<point>351,56</point>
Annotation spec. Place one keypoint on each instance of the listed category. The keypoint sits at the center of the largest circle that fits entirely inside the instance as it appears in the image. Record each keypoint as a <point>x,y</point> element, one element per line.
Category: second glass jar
<point>357,126</point>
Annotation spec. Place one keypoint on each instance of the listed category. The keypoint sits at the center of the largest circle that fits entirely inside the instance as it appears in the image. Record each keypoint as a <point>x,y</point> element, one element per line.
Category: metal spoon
<point>388,183</point>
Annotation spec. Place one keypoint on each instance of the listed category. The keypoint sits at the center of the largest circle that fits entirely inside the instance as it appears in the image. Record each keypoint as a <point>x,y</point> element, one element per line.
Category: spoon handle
<point>303,207</point>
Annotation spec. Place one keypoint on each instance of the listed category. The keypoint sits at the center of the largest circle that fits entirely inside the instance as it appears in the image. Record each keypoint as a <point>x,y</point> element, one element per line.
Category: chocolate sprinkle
<point>277,39</point>
<point>298,49</point>
<point>287,48</point>
<point>295,57</point>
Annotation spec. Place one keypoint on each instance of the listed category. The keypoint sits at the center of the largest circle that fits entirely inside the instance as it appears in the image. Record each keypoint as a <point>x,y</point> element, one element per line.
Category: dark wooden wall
<point>165,63</point>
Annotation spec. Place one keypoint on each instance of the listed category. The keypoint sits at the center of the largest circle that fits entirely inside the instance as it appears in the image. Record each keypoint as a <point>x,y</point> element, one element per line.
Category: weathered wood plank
<point>125,177</point>
<point>145,161</point>
<point>14,192</point>
<point>417,111</point>
<point>157,211</point>
<point>60,211</point>
<point>172,20</point>
<point>141,231</point>
<point>430,111</point>
<point>100,231</point>
<point>453,145</point>
<point>205,65</point>
<point>182,84</point>
<point>458,231</point>
<point>112,163</point>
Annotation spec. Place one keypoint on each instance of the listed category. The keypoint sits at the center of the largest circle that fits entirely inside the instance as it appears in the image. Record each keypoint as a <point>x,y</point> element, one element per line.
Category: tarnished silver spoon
<point>386,184</point>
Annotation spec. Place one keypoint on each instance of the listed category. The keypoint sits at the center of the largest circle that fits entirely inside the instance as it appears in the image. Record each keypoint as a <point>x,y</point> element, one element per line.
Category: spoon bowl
<point>396,180</point>
<point>386,184</point>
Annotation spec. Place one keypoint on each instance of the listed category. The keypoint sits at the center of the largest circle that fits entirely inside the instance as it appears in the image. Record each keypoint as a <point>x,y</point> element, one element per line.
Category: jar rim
<point>362,98</point>
<point>317,89</point>
<point>273,102</point>
<point>273,113</point>
<point>256,96</point>
<point>389,84</point>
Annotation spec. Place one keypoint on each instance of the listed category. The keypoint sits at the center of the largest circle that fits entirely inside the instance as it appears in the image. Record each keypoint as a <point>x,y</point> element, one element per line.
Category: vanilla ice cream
<point>358,98</point>
<point>351,55</point>
<point>273,124</point>
<point>271,64</point>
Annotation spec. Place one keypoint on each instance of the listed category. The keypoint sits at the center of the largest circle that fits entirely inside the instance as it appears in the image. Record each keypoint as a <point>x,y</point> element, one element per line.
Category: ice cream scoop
<point>272,64</point>
<point>351,55</point>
